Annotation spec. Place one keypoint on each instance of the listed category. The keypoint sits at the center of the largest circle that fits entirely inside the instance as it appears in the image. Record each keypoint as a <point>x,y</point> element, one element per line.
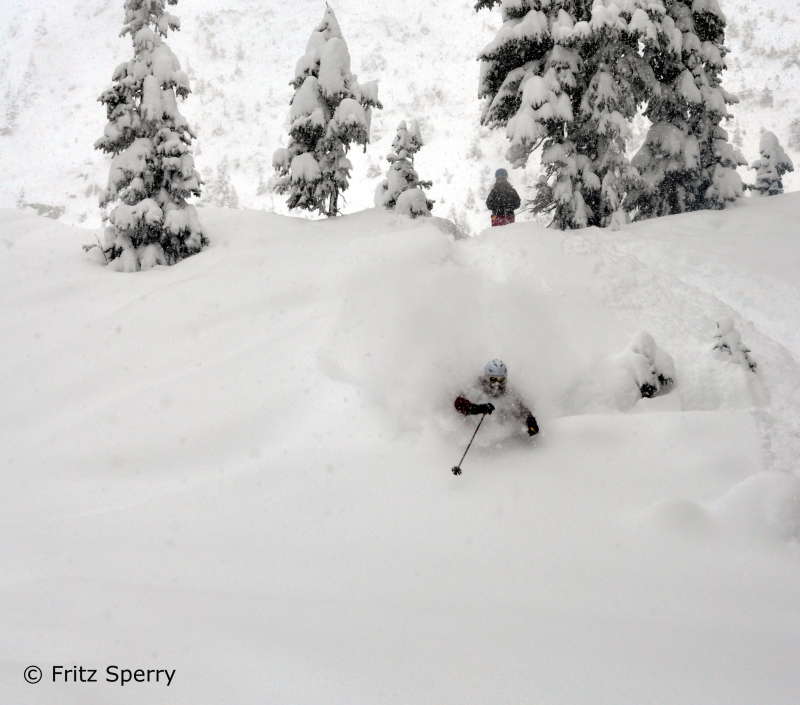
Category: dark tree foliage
<point>570,75</point>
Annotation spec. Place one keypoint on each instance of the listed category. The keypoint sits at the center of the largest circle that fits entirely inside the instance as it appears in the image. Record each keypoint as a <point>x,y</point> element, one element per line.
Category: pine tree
<point>686,160</point>
<point>719,183</point>
<point>652,368</point>
<point>587,174</point>
<point>617,80</point>
<point>771,167</point>
<point>729,345</point>
<point>152,172</point>
<point>402,176</point>
<point>531,85</point>
<point>329,111</point>
<point>567,75</point>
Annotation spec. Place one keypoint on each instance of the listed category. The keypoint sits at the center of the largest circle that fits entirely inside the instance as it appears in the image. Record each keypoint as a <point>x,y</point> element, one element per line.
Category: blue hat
<point>499,173</point>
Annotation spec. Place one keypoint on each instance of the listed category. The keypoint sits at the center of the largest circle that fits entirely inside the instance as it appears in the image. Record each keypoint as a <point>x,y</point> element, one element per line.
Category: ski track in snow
<point>668,307</point>
<point>700,283</point>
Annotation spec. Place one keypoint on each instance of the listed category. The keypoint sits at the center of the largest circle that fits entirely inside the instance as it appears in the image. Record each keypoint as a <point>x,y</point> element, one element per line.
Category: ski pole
<point>457,468</point>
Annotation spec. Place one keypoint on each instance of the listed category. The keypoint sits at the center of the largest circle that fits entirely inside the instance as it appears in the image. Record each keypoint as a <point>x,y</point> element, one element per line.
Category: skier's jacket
<point>508,405</point>
<point>503,199</point>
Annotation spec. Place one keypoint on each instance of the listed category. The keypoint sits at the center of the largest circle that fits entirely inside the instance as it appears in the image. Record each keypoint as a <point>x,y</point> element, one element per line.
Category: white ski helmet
<point>495,368</point>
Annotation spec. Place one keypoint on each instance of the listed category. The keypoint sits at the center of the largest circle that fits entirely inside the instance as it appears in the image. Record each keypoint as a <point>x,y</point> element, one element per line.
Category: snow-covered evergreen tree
<point>686,160</point>
<point>402,176</point>
<point>329,111</point>
<point>617,80</point>
<point>152,172</point>
<point>729,344</point>
<point>413,202</point>
<point>568,75</point>
<point>652,368</point>
<point>528,80</point>
<point>771,167</point>
<point>587,175</point>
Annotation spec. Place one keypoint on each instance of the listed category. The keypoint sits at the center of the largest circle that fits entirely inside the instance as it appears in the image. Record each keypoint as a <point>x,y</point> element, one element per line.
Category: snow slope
<point>57,57</point>
<point>239,467</point>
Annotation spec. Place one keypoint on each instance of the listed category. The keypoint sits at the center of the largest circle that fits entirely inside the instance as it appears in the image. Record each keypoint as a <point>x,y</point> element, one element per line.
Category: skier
<point>503,199</point>
<point>493,394</point>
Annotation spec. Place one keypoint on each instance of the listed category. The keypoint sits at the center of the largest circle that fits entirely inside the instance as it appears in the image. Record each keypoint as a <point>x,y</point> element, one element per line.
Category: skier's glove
<point>482,409</point>
<point>533,427</point>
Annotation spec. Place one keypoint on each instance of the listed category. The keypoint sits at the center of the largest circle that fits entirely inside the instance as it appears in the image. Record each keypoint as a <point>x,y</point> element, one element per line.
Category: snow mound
<point>679,514</point>
<point>412,202</point>
<point>765,505</point>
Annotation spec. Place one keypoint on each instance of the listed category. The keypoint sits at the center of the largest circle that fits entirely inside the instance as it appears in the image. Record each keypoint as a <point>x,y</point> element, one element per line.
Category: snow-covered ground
<point>239,467</point>
<point>57,57</point>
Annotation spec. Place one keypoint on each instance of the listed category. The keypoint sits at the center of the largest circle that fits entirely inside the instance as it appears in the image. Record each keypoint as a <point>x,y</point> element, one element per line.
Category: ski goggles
<point>497,380</point>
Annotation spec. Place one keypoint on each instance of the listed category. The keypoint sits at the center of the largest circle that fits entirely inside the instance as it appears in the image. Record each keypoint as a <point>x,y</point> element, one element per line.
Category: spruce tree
<point>729,345</point>
<point>771,167</point>
<point>402,176</point>
<point>587,174</point>
<point>567,75</point>
<point>329,111</point>
<point>617,79</point>
<point>686,160</point>
<point>152,172</point>
<point>529,80</point>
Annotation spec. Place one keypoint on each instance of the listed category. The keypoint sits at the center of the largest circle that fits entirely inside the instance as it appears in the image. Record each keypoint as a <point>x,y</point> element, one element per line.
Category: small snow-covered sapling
<point>402,178</point>
<point>652,368</point>
<point>661,365</point>
<point>771,167</point>
<point>729,343</point>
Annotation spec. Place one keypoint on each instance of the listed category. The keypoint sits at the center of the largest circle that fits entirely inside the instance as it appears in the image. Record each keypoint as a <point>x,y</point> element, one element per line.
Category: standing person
<point>503,199</point>
<point>492,393</point>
